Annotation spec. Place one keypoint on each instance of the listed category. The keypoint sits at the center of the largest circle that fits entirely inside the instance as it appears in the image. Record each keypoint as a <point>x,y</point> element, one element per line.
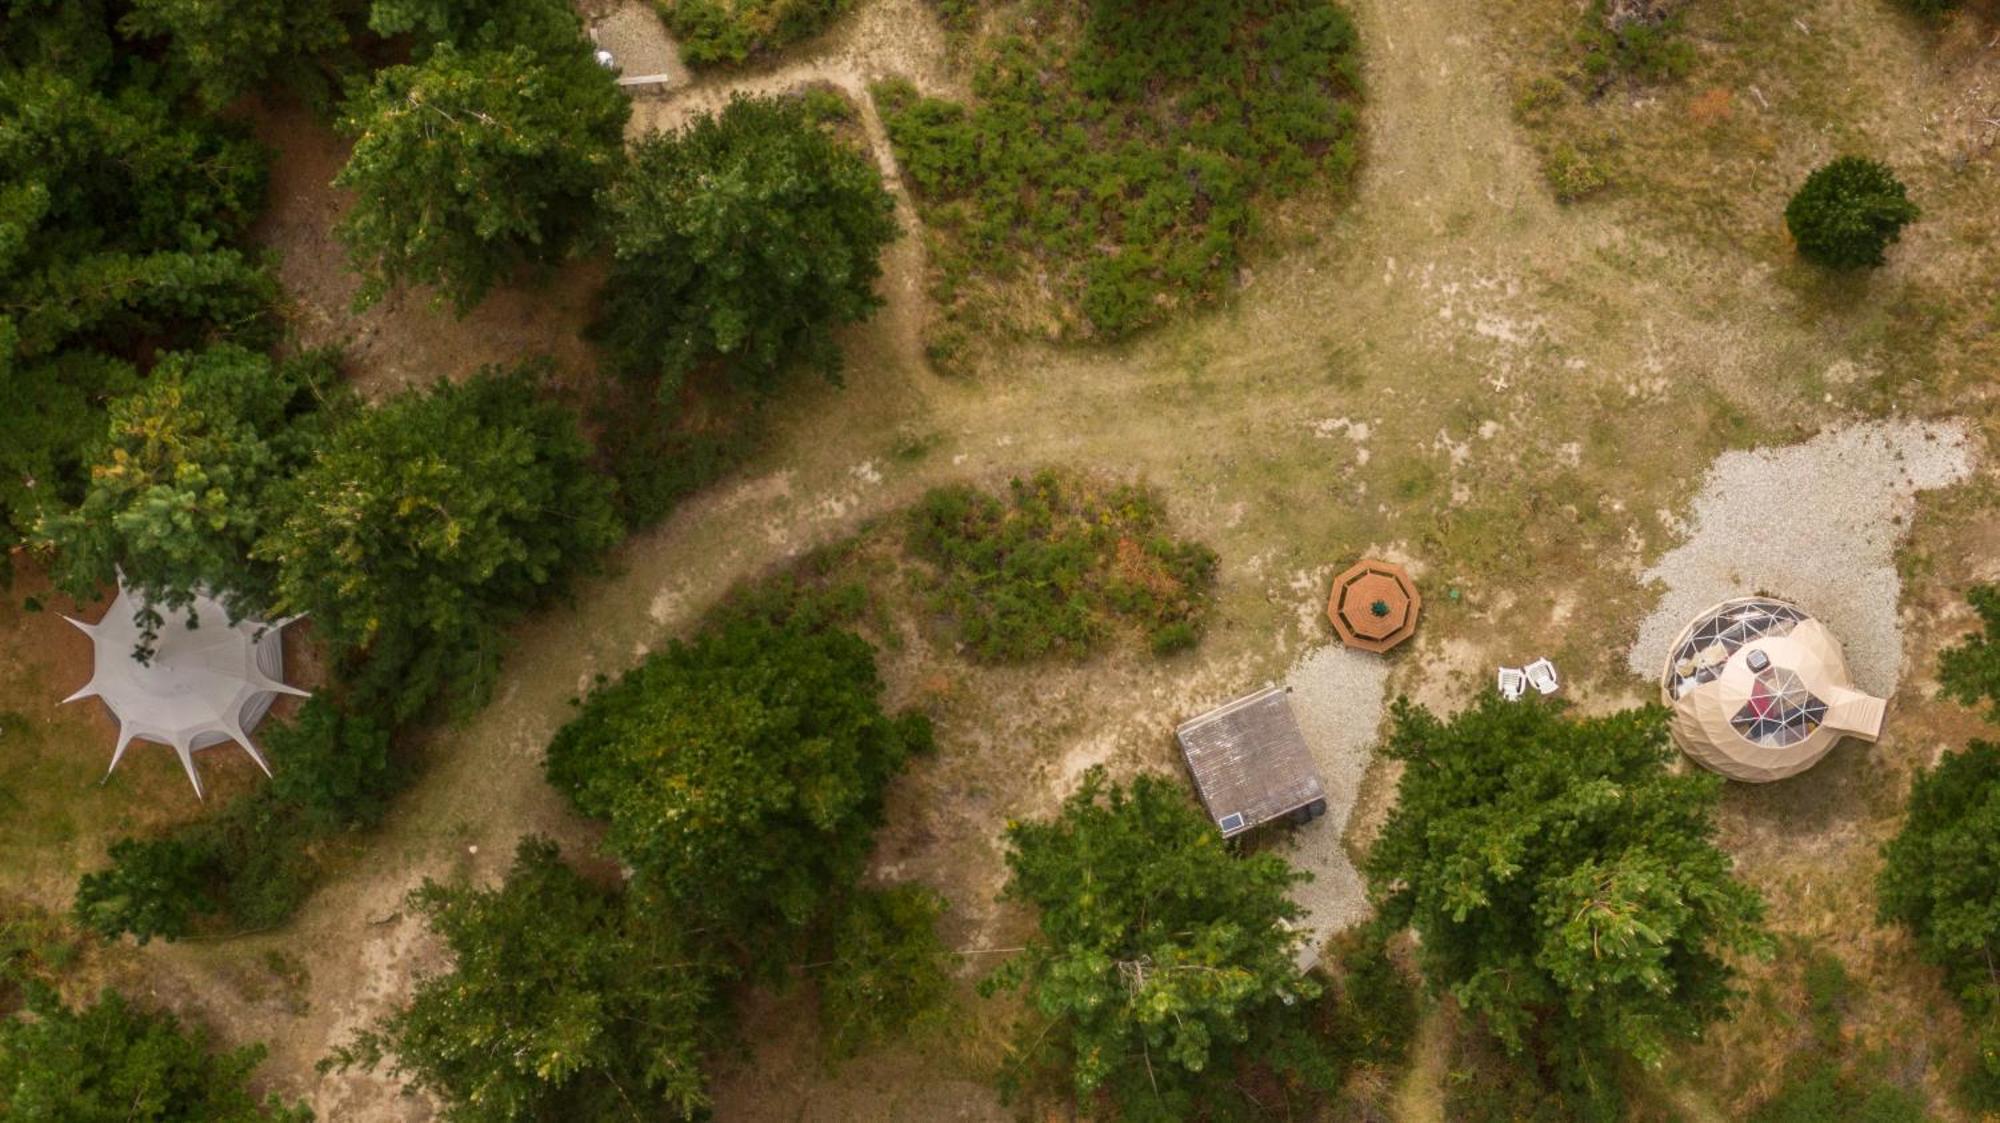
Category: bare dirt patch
<point>407,339</point>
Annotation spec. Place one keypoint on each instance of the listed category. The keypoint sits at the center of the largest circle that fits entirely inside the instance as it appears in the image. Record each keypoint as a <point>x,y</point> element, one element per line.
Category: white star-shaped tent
<point>205,685</point>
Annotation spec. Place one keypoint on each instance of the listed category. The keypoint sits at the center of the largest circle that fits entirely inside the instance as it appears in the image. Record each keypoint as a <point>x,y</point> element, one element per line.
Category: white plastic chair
<point>1513,683</point>
<point>1542,675</point>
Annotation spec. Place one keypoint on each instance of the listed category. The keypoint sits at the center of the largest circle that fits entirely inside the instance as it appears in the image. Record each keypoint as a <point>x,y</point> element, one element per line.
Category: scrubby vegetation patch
<point>1115,156</point>
<point>1056,570</point>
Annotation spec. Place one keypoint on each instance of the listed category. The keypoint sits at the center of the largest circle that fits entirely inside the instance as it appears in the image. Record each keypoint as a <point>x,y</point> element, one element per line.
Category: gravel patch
<point>1816,524</point>
<point>636,38</point>
<point>1338,695</point>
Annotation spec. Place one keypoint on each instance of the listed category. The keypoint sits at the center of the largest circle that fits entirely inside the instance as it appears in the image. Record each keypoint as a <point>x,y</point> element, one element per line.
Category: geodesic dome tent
<point>1760,691</point>
<point>208,681</point>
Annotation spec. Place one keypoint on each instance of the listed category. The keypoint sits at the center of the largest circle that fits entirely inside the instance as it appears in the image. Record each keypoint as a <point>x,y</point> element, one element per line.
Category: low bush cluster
<point>1058,567</point>
<point>1642,41</point>
<point>110,1061</point>
<point>725,32</point>
<point>1123,173</point>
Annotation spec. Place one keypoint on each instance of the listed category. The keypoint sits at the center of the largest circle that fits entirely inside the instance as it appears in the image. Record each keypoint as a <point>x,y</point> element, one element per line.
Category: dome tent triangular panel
<point>207,682</point>
<point>1760,691</point>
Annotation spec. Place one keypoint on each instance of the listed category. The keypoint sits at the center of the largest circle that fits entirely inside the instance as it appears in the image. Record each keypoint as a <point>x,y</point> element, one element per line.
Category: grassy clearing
<point>1113,164</point>
<point>1709,140</point>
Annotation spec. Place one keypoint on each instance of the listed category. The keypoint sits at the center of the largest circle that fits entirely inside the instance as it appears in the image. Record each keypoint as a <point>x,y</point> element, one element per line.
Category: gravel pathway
<point>1816,524</point>
<point>1338,695</point>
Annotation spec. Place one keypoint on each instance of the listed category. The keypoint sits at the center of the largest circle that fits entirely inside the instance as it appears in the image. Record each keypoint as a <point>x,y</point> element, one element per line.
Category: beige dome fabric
<point>1760,691</point>
<point>203,686</point>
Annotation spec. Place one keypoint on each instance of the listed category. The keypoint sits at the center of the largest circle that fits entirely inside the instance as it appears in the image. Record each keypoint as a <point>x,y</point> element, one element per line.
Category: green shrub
<point>1564,884</point>
<point>152,888</point>
<point>1053,572</point>
<point>724,32</point>
<point>1125,167</point>
<point>332,766</point>
<point>1847,213</point>
<point>1573,175</point>
<point>1820,1093</point>
<point>423,527</point>
<point>1645,50</point>
<point>742,774</point>
<point>887,968</point>
<point>1936,881</point>
<point>109,1063</point>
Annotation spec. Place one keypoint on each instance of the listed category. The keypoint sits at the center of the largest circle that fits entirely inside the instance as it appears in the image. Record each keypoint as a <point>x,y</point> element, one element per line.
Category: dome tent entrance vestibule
<point>208,682</point>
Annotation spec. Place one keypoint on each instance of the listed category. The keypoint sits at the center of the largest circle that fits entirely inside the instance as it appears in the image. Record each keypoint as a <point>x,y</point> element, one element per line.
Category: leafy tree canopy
<point>1162,959</point>
<point>712,32</point>
<point>109,1063</point>
<point>743,240</point>
<point>1941,880</point>
<point>1848,211</point>
<point>742,772</point>
<point>424,526</point>
<point>1970,670</point>
<point>546,26</point>
<point>180,486</point>
<point>886,970</point>
<point>562,1004</point>
<point>231,47</point>
<point>121,221</point>
<point>153,887</point>
<point>1564,883</point>
<point>473,163</point>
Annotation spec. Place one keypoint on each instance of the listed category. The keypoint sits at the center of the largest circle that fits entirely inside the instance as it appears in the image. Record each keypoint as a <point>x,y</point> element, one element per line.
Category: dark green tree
<point>180,486</point>
<point>1163,960</point>
<point>546,26</point>
<point>426,525</point>
<point>153,887</point>
<point>1848,212</point>
<point>745,239</point>
<point>109,1063</point>
<point>1940,880</point>
<point>471,164</point>
<point>563,1003</point>
<point>1564,884</point>
<point>742,773</point>
<point>1970,670</point>
<point>231,47</point>
<point>122,219</point>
